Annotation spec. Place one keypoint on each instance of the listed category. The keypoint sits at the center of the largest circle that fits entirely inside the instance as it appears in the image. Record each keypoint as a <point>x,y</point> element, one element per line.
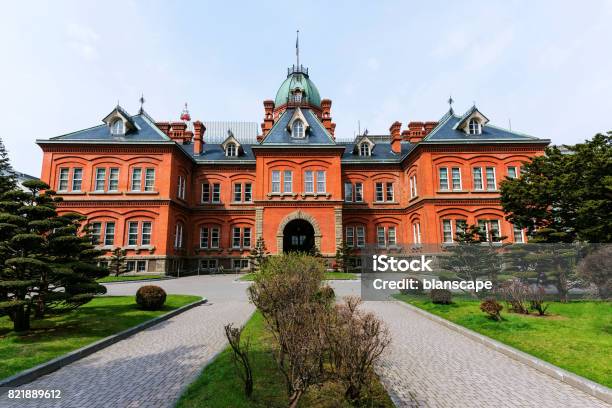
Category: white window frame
<point>77,179</point>
<point>389,192</point>
<point>350,236</point>
<point>246,237</point>
<point>178,235</point>
<point>364,149</point>
<point>181,187</point>
<point>297,129</point>
<point>309,181</point>
<point>494,178</point>
<point>215,196</point>
<point>276,181</point>
<point>237,192</point>
<point>413,186</point>
<point>236,238</point>
<point>145,237</point>
<point>96,232</point>
<point>136,179</point>
<point>204,237</point>
<point>132,236</point>
<point>447,231</point>
<point>63,178</point>
<point>205,192</point>
<point>441,171</point>
<point>416,232</point>
<point>287,181</point>
<point>381,239</point>
<point>514,170</point>
<point>118,127</point>
<point>474,127</point>
<point>379,192</point>
<point>391,236</point>
<point>456,171</point>
<point>231,150</point>
<point>321,182</point>
<point>521,233</point>
<point>248,192</point>
<point>348,192</point>
<point>113,179</point>
<point>109,233</point>
<point>215,237</point>
<point>477,171</point>
<point>360,236</point>
<point>149,181</point>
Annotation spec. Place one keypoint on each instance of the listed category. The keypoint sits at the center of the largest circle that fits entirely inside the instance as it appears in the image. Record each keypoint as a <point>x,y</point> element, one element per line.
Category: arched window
<point>231,150</point>
<point>117,128</point>
<point>364,149</point>
<point>298,129</point>
<point>474,127</point>
<point>297,96</point>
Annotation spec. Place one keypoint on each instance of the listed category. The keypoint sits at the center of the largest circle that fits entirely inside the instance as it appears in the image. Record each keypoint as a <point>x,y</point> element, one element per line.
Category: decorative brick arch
<point>298,215</point>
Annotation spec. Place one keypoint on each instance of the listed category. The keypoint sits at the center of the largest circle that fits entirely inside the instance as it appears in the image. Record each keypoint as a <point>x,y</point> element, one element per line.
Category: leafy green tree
<point>8,180</point>
<point>117,263</point>
<point>564,197</point>
<point>258,254</point>
<point>46,263</point>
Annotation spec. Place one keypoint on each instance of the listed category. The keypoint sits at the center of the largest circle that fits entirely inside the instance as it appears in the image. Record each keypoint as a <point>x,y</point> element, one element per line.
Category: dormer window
<point>297,130</point>
<point>364,149</point>
<point>231,150</point>
<point>474,127</point>
<point>297,96</point>
<point>118,127</point>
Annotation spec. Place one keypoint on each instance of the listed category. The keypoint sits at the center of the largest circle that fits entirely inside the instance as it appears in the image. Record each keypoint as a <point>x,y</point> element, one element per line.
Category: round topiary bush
<point>441,296</point>
<point>150,297</point>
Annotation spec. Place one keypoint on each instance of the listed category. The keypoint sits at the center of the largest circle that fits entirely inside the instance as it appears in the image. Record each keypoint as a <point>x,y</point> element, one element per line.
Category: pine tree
<point>117,264</point>
<point>46,263</point>
<point>343,254</point>
<point>8,180</point>
<point>258,254</point>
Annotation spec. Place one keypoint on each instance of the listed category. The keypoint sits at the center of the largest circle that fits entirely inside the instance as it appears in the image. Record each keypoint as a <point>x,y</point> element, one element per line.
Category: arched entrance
<point>283,245</point>
<point>298,236</point>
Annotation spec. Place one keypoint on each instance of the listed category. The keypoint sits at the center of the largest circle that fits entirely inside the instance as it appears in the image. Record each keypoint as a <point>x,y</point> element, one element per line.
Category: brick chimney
<point>268,117</point>
<point>177,131</point>
<point>406,135</point>
<point>333,131</point>
<point>198,140</point>
<point>326,118</point>
<point>416,132</point>
<point>164,127</point>
<point>396,138</point>
<point>429,127</point>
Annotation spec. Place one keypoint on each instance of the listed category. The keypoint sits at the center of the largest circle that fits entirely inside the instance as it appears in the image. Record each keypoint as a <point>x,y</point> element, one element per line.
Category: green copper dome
<point>297,78</point>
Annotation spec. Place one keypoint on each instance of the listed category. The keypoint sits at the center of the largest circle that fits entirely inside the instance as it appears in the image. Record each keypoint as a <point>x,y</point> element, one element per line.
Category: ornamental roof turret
<point>298,89</point>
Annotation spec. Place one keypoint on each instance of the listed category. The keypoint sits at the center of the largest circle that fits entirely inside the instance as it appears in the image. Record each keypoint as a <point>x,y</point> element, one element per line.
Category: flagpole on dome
<point>297,48</point>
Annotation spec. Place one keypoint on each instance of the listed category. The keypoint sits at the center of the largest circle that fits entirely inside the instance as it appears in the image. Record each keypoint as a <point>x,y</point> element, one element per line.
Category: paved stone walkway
<point>151,368</point>
<point>442,368</point>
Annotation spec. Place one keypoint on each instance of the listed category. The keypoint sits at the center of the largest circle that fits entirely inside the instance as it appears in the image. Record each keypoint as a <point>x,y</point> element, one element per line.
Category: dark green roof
<point>298,79</point>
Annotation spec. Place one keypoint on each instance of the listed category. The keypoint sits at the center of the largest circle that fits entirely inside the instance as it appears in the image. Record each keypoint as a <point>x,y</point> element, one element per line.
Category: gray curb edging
<point>135,281</point>
<point>33,373</point>
<point>585,385</point>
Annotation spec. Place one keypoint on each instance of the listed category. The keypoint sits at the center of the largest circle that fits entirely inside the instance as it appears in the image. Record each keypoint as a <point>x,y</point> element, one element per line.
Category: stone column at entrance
<point>258,222</point>
<point>338,225</point>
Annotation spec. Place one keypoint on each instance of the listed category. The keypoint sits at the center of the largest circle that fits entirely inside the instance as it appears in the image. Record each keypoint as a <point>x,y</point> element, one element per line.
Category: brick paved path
<point>151,368</point>
<point>443,368</point>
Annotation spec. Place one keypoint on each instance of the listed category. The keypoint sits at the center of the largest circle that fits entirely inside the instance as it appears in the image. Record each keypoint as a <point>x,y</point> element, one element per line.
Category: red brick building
<point>185,195</point>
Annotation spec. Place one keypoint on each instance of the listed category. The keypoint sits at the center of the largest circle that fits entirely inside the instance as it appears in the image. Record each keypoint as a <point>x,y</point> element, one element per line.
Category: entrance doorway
<point>298,236</point>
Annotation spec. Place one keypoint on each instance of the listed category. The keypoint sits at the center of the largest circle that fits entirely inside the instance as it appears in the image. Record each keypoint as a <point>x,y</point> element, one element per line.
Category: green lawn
<point>54,336</point>
<point>123,278</point>
<point>577,336</point>
<point>219,386</point>
<point>328,276</point>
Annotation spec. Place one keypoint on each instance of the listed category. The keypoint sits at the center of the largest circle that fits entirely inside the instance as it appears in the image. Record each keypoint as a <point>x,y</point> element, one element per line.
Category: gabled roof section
<point>231,139</point>
<point>298,115</point>
<point>317,135</point>
<point>363,139</point>
<point>382,154</point>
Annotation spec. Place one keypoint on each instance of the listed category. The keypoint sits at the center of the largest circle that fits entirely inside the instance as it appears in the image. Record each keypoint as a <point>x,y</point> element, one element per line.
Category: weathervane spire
<point>142,101</point>
<point>297,48</point>
<point>450,103</point>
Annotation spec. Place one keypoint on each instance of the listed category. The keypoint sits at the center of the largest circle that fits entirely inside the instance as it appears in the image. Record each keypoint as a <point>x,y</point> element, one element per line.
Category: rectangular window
<point>203,237</point>
<point>276,181</point>
<point>348,192</point>
<point>359,192</point>
<point>416,233</point>
<point>145,239</point>
<point>288,182</point>
<point>77,179</point>
<point>237,192</point>
<point>389,192</point>
<point>391,237</point>
<point>240,264</point>
<point>214,237</point>
<point>491,229</point>
<point>235,237</point>
<point>360,236</point>
<point>149,179</point>
<point>216,193</point>
<point>246,237</point>
<point>109,234</point>
<point>130,266</point>
<point>178,236</point>
<point>321,182</point>
<point>62,184</point>
<point>96,231</point>
<point>141,266</point>
<point>308,181</point>
<point>456,174</point>
<point>477,171</point>
<point>248,192</point>
<point>491,184</point>
<point>181,187</point>
<point>519,238</point>
<point>380,197</point>
<point>460,226</point>
<point>113,179</point>
<point>205,193</point>
<point>100,179</point>
<point>133,233</point>
<point>208,264</point>
<point>447,231</point>
<point>413,186</point>
<point>512,172</point>
<point>380,236</point>
<point>443,178</point>
<point>136,179</point>
<point>350,236</point>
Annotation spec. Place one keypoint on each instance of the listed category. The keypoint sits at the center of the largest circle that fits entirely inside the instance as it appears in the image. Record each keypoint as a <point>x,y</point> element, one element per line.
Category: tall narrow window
<point>109,234</point>
<point>146,233</point>
<point>113,179</point>
<point>237,192</point>
<point>321,182</point>
<point>298,129</point>
<point>149,179</point>
<point>118,128</point>
<point>133,233</point>
<point>77,178</point>
<point>447,231</point>
<point>350,236</point>
<point>235,237</point>
<point>477,171</point>
<point>474,127</point>
<point>205,193</point>
<point>246,237</point>
<point>178,235</point>
<point>443,178</point>
<point>276,181</point>
<point>232,150</point>
<point>100,179</point>
<point>456,175</point>
<point>216,193</point>
<point>413,186</point>
<point>364,149</point>
<point>348,192</point>
<point>380,236</point>
<point>248,193</point>
<point>181,187</point>
<point>308,181</point>
<point>519,237</point>
<point>389,192</point>
<point>62,184</point>
<point>359,192</point>
<point>360,236</point>
<point>491,184</point>
<point>288,181</point>
<point>490,228</point>
<point>391,237</point>
<point>380,196</point>
<point>214,237</point>
<point>203,237</point>
<point>512,173</point>
<point>416,232</point>
<point>95,231</point>
<point>136,179</point>
<point>460,226</point>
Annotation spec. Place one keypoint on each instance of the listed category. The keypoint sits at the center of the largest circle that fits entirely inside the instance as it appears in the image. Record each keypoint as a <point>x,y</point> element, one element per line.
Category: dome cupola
<point>298,89</point>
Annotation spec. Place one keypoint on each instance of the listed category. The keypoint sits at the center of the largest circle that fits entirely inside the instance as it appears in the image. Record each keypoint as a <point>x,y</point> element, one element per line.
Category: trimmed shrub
<point>150,297</point>
<point>441,296</point>
<point>492,308</point>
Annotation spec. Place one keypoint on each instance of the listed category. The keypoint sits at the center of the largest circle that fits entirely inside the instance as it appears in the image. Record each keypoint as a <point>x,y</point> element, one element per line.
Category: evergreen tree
<point>8,179</point>
<point>46,264</point>
<point>118,264</point>
<point>343,254</point>
<point>258,254</point>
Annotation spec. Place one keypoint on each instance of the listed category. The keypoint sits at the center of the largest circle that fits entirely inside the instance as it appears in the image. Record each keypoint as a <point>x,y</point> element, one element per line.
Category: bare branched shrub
<point>515,293</point>
<point>492,308</point>
<point>356,341</point>
<point>536,300</point>
<point>241,356</point>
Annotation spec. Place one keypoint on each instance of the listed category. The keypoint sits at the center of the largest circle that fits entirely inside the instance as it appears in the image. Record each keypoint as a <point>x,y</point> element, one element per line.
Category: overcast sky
<point>545,65</point>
